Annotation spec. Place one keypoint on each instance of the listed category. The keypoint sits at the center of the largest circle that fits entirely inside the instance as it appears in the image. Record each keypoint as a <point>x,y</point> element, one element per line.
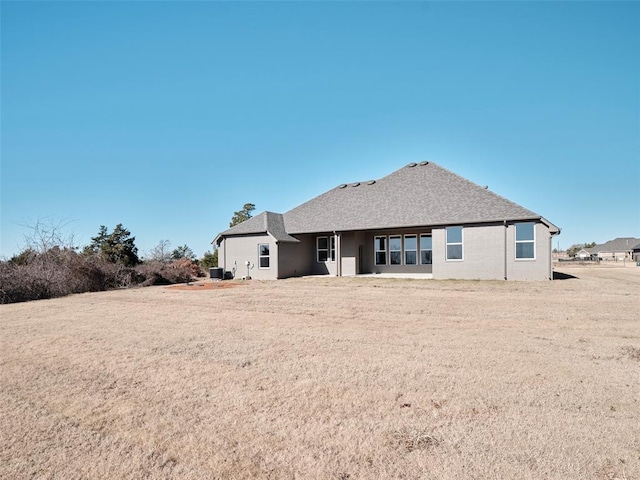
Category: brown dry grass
<point>328,378</point>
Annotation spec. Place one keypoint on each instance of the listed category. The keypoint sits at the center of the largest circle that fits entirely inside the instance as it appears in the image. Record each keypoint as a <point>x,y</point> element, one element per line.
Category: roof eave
<point>553,229</point>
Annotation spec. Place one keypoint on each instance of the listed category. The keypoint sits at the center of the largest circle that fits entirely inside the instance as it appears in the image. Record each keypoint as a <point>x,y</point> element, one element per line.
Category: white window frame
<point>331,248</point>
<point>404,255</point>
<point>390,251</point>
<point>260,256</point>
<point>532,241</point>
<point>420,249</point>
<point>448,243</point>
<point>376,251</point>
<point>318,249</point>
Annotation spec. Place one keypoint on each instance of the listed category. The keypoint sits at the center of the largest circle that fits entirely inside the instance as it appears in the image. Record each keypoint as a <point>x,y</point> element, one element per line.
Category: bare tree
<point>46,234</point>
<point>161,252</point>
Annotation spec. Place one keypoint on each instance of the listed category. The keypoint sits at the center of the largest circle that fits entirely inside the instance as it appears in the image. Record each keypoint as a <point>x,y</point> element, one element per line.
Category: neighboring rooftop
<point>620,244</point>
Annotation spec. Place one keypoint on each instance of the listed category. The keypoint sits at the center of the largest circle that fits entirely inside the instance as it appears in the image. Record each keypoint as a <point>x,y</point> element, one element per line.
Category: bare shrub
<point>157,273</point>
<point>51,266</point>
<point>59,272</point>
<point>192,266</point>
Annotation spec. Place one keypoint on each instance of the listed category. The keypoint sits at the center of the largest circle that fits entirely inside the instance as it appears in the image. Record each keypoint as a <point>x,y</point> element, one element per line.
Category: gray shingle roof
<point>620,244</point>
<point>416,195</point>
<point>265,222</point>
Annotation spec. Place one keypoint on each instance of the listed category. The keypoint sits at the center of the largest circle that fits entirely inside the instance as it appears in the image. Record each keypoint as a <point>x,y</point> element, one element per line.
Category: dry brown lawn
<point>327,378</point>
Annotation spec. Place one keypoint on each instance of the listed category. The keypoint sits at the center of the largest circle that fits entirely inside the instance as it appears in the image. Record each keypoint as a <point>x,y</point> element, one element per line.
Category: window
<point>263,255</point>
<point>410,250</point>
<point>380,244</point>
<point>525,240</point>
<point>322,244</point>
<point>332,248</point>
<point>454,243</point>
<point>395,250</point>
<point>425,250</point>
<point>326,248</point>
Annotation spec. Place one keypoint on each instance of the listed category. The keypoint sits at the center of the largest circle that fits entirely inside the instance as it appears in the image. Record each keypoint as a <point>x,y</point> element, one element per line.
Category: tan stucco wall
<point>241,249</point>
<point>298,259</point>
<point>484,255</point>
<point>349,254</point>
<point>483,252</point>
<point>538,269</point>
<point>295,259</point>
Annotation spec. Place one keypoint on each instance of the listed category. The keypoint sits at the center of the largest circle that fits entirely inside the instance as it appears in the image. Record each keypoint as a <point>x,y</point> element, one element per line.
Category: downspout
<point>224,269</point>
<point>336,240</point>
<point>505,249</point>
<point>550,257</point>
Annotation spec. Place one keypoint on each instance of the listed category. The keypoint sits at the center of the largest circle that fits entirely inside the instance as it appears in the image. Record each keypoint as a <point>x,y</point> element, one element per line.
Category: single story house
<point>583,254</point>
<point>620,248</point>
<point>421,220</point>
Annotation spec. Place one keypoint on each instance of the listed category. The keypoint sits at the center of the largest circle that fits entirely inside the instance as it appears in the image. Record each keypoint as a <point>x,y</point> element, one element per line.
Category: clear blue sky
<point>169,116</point>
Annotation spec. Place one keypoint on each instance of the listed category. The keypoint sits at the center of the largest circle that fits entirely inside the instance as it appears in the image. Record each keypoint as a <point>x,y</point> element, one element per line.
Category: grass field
<point>327,378</point>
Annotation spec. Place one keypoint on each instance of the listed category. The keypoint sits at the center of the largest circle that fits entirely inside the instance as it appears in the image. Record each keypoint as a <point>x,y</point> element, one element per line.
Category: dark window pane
<point>454,252</point>
<point>425,257</point>
<point>264,262</point>
<point>524,250</point>
<point>322,243</point>
<point>395,243</point>
<point>381,258</point>
<point>322,255</point>
<point>410,258</point>
<point>396,258</point>
<point>524,231</point>
<point>381,243</point>
<point>454,234</point>
<point>264,250</point>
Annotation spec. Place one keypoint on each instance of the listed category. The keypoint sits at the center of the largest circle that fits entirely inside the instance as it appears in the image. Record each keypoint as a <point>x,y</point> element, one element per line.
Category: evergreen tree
<point>117,246</point>
<point>209,260</point>
<point>183,252</point>
<point>242,215</point>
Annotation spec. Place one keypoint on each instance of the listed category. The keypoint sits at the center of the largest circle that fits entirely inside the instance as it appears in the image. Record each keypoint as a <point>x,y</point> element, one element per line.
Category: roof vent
<point>424,163</point>
<point>412,164</point>
<point>342,186</point>
<point>355,184</point>
<point>371,182</point>
<point>486,187</point>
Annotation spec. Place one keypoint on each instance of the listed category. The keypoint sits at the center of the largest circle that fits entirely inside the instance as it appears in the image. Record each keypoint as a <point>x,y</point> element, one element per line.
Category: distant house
<point>617,249</point>
<point>583,254</point>
<point>421,220</point>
